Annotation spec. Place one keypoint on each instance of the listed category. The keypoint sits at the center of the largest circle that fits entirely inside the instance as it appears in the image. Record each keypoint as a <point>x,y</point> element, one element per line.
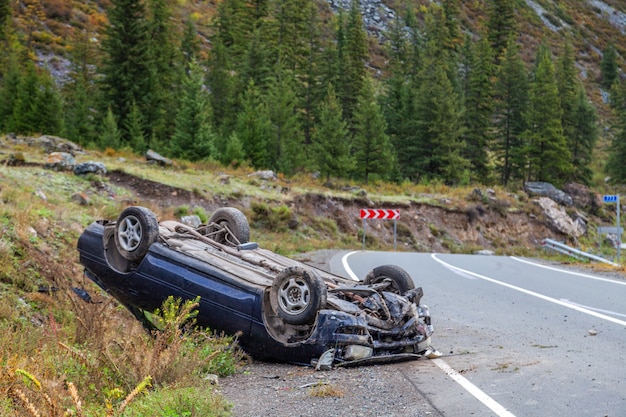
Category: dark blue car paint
<point>226,304</point>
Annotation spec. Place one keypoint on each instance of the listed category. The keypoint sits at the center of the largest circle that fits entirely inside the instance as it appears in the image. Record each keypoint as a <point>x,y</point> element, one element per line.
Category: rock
<point>545,189</point>
<point>267,175</point>
<point>41,195</point>
<point>55,144</point>
<point>583,197</point>
<point>90,168</point>
<point>593,332</point>
<point>212,378</point>
<point>60,161</point>
<point>559,219</point>
<point>152,156</point>
<point>81,198</point>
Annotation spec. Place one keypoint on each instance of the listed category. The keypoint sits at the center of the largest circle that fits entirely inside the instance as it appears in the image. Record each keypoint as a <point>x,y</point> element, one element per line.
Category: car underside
<point>282,309</point>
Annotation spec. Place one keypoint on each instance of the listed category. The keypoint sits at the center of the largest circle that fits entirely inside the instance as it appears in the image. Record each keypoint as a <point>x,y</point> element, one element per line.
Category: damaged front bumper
<point>350,340</point>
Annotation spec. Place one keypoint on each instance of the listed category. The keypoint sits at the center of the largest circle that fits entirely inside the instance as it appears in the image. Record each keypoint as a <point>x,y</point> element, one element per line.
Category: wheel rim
<point>294,296</point>
<point>129,233</point>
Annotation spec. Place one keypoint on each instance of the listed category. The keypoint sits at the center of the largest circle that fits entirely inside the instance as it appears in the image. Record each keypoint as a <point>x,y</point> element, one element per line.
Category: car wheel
<point>226,223</point>
<point>136,229</point>
<point>297,294</point>
<point>401,281</point>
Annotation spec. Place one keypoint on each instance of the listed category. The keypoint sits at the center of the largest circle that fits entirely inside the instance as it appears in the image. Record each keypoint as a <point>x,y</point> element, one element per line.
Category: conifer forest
<point>448,92</point>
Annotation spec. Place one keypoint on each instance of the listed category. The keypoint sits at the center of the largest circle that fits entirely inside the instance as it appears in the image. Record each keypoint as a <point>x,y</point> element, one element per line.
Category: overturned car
<point>282,309</point>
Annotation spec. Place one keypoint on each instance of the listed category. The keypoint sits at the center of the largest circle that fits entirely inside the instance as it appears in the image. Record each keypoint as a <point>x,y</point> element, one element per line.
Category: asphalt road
<point>519,338</point>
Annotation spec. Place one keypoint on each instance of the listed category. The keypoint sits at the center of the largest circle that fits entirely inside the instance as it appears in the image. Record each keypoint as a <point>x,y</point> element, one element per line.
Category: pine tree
<point>353,55</point>
<point>193,138</point>
<point>608,67</point>
<point>234,154</point>
<point>25,119</point>
<point>511,93</point>
<point>48,110</point>
<point>400,89</point>
<point>110,135</point>
<point>80,93</point>
<point>223,82</point>
<point>373,152</point>
<point>615,165</point>
<point>289,26</point>
<point>9,87</point>
<point>438,125</point>
<point>190,44</point>
<point>331,141</point>
<point>451,11</point>
<point>135,129</point>
<point>5,14</point>
<point>568,90</point>
<point>158,108</point>
<point>478,99</point>
<point>549,157</point>
<point>287,144</point>
<point>254,129</point>
<point>127,65</point>
<point>584,136</point>
<point>500,25</point>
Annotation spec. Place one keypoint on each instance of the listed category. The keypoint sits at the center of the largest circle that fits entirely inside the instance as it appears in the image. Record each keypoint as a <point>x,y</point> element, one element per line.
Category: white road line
<point>599,310</point>
<point>579,274</point>
<point>473,389</point>
<point>344,262</point>
<point>534,294</point>
<point>454,375</point>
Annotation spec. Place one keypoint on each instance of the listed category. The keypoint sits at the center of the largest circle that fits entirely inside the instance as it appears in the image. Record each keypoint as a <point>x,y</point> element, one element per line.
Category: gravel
<point>280,390</point>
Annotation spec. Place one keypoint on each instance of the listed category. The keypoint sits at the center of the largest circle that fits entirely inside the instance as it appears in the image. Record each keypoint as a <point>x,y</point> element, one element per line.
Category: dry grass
<point>324,390</point>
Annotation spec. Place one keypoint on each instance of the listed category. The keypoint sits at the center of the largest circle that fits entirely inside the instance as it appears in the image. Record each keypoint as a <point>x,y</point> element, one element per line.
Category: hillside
<point>452,92</point>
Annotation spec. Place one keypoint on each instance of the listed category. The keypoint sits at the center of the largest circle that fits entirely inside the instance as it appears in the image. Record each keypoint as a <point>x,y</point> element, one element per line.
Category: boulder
<point>545,189</point>
<point>583,197</point>
<point>152,156</point>
<point>558,218</point>
<point>90,168</point>
<point>264,175</point>
<point>60,161</point>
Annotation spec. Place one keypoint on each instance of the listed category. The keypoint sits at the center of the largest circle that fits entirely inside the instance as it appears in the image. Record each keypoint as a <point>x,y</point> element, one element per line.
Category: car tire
<point>401,281</point>
<point>297,294</point>
<point>234,220</point>
<point>135,230</point>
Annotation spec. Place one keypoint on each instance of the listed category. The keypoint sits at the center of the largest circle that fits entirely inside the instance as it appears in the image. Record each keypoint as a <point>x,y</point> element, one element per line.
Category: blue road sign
<point>609,199</point>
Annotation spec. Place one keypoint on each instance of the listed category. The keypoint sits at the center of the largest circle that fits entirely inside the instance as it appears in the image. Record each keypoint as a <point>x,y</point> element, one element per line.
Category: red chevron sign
<point>380,214</point>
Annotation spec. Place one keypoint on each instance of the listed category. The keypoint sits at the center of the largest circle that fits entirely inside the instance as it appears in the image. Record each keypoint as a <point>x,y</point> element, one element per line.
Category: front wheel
<point>399,280</point>
<point>136,229</point>
<point>297,294</point>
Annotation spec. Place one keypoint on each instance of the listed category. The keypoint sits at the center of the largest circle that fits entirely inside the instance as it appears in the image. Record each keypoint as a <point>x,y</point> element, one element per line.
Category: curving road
<point>519,338</point>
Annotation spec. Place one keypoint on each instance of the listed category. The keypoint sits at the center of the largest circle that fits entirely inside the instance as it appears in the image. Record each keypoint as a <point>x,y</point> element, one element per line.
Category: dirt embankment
<point>439,227</point>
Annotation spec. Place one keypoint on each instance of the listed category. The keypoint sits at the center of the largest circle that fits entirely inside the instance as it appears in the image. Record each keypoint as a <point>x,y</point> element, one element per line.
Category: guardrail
<point>573,252</point>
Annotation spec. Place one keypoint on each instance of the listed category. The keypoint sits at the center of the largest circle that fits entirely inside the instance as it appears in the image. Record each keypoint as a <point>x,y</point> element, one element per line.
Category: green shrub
<point>197,401</point>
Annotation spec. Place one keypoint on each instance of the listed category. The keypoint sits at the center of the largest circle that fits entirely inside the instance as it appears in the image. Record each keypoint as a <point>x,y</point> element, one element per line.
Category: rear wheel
<point>399,280</point>
<point>136,229</point>
<point>297,294</point>
<point>229,226</point>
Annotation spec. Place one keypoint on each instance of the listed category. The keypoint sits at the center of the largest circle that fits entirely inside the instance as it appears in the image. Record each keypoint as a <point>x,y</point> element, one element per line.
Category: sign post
<point>615,199</point>
<point>393,214</point>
